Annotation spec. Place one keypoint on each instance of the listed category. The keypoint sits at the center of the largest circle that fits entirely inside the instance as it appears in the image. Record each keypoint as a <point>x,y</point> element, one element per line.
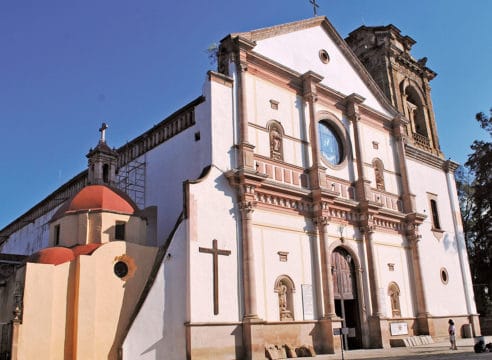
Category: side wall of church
<point>33,237</point>
<point>439,249</point>
<point>157,331</point>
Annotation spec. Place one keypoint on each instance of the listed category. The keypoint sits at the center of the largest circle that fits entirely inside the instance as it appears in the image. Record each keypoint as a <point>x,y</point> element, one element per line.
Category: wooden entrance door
<point>345,294</point>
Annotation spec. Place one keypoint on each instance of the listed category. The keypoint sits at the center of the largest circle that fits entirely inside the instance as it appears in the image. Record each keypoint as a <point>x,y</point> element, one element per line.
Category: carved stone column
<point>425,326</point>
<point>374,283</point>
<point>253,337</point>
<point>378,324</point>
<point>327,280</point>
<point>326,291</point>
<point>249,278</point>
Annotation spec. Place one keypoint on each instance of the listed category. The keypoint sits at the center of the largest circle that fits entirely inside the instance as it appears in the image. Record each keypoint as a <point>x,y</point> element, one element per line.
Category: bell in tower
<point>386,55</point>
<point>102,161</point>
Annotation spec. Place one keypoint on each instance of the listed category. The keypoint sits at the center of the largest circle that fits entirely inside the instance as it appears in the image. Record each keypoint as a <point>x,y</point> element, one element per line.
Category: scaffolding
<point>131,180</point>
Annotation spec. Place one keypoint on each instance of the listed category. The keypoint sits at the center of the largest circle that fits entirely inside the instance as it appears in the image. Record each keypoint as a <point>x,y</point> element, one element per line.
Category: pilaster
<point>246,150</point>
<point>352,110</point>
<point>424,321</point>
<point>317,172</point>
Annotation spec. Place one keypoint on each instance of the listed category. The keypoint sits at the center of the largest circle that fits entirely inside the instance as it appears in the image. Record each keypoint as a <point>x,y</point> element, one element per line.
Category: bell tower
<point>386,55</point>
<point>102,161</point>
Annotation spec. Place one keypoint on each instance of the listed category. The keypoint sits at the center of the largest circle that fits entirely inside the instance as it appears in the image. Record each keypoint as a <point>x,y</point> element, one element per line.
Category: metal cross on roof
<point>315,6</point>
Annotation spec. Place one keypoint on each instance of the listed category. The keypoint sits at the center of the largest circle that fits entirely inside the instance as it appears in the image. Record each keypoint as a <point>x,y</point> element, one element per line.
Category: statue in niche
<point>394,294</point>
<point>275,143</point>
<point>379,174</point>
<point>283,302</point>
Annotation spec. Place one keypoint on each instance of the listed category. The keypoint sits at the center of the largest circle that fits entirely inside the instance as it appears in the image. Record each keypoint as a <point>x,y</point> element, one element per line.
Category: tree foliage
<point>475,193</point>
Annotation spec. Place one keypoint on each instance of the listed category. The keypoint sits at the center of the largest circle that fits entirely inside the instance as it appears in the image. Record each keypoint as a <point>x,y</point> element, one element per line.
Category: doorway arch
<point>346,297</point>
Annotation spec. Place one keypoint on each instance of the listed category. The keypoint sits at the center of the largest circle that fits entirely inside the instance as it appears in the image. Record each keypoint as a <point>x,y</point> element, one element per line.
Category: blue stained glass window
<point>330,145</point>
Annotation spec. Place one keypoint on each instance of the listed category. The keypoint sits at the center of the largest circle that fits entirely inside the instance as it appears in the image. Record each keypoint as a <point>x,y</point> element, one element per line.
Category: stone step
<point>412,341</point>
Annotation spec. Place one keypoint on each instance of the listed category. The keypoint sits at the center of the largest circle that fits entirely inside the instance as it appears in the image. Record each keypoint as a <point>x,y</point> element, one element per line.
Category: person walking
<point>452,335</point>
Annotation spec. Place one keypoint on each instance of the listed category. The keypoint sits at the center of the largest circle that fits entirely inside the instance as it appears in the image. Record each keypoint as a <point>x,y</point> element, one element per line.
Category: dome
<point>59,255</point>
<point>52,255</point>
<point>98,197</point>
<point>87,249</point>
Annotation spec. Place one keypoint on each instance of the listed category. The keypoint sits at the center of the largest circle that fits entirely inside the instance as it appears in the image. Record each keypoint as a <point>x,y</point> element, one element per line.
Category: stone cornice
<point>418,66</point>
<point>423,157</point>
<point>450,166</point>
<point>276,30</point>
<point>220,78</point>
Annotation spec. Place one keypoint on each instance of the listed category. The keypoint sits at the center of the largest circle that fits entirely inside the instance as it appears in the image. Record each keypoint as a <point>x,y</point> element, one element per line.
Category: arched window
<point>378,166</point>
<point>416,111</point>
<point>276,141</point>
<point>435,215</point>
<point>284,287</point>
<point>394,295</point>
<point>106,173</point>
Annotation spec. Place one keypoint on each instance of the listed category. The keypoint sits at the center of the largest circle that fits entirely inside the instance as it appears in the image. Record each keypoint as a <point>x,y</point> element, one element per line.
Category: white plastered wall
<point>393,259</point>
<point>385,151</point>
<point>32,237</point>
<point>437,253</point>
<point>158,331</point>
<point>299,51</point>
<point>178,159</point>
<point>290,114</point>
<point>274,232</point>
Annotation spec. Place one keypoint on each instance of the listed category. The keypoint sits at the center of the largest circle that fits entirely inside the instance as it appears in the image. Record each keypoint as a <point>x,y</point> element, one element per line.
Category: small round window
<point>444,276</point>
<point>121,269</point>
<point>330,143</point>
<point>323,56</point>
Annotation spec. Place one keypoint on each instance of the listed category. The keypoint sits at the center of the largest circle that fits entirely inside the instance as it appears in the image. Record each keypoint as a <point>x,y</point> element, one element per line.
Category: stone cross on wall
<point>102,130</point>
<point>215,252</point>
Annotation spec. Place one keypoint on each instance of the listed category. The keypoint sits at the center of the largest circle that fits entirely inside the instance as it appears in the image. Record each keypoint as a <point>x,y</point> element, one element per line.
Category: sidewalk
<point>464,346</point>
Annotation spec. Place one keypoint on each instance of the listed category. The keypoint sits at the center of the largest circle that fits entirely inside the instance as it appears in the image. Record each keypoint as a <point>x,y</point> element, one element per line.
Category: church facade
<point>301,201</point>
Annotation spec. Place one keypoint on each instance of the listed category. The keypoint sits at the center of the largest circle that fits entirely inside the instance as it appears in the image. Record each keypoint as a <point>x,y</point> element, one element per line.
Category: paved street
<point>436,351</point>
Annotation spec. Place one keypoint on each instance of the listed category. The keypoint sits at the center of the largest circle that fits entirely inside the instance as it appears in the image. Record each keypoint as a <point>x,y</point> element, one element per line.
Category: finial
<point>102,130</point>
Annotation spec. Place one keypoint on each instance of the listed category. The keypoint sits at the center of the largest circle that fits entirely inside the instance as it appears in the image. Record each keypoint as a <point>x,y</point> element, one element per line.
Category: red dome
<point>59,255</point>
<point>87,249</point>
<point>98,197</point>
<point>52,255</point>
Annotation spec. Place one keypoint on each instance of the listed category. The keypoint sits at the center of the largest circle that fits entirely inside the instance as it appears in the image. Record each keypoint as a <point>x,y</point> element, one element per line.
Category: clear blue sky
<point>67,66</point>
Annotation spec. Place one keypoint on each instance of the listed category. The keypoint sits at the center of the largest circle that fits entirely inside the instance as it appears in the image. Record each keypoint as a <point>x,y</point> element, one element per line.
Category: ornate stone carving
<point>247,207</point>
<point>284,287</point>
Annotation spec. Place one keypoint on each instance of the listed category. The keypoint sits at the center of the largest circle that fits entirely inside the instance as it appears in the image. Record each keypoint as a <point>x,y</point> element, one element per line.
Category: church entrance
<point>345,294</point>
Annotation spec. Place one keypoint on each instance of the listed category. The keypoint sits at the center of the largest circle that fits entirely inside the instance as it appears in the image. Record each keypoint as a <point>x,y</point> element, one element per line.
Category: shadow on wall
<point>144,259</point>
<point>449,243</point>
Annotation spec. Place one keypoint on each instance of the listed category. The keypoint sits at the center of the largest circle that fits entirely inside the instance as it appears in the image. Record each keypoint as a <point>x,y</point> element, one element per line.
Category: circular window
<point>330,144</point>
<point>121,269</point>
<point>324,57</point>
<point>444,276</point>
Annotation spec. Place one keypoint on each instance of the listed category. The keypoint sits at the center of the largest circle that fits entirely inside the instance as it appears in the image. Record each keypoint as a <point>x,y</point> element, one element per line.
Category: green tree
<point>475,192</point>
